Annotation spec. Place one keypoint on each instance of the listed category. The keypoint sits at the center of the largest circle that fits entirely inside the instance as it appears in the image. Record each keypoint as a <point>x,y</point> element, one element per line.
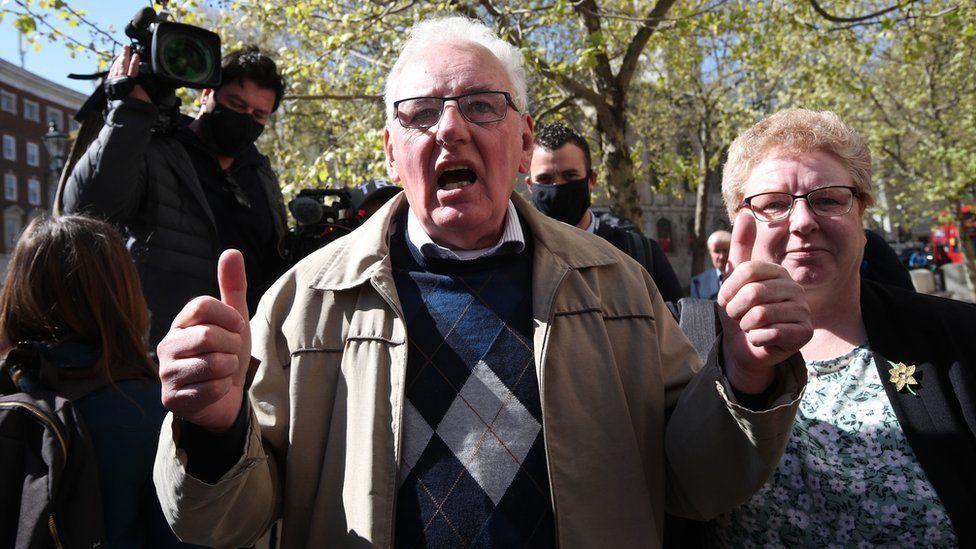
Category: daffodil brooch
<point>903,376</point>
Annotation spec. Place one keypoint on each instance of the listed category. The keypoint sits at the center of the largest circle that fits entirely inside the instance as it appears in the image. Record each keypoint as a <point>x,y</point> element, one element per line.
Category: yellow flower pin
<point>902,376</point>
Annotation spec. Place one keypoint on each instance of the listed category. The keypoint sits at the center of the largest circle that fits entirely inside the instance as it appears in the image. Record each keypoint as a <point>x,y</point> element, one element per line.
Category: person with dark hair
<point>72,298</point>
<point>561,177</point>
<point>181,194</point>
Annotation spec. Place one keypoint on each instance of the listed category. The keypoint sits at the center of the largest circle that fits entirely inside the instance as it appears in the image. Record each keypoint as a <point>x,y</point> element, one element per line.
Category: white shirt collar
<point>422,246</point>
<point>594,223</point>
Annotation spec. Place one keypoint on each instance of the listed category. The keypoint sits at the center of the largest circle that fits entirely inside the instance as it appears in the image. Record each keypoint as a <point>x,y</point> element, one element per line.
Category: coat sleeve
<point>109,180</point>
<point>718,453</point>
<point>240,507</point>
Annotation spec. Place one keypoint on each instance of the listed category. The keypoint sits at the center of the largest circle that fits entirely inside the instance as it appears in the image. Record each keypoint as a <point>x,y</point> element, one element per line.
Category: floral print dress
<point>848,477</point>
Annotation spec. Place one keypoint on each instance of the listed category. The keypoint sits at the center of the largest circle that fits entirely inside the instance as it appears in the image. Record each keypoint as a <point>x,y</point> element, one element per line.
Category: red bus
<point>945,237</point>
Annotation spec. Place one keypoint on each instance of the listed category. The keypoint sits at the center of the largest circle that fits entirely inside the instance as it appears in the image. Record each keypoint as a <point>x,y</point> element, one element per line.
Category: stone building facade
<point>28,104</point>
<point>670,220</point>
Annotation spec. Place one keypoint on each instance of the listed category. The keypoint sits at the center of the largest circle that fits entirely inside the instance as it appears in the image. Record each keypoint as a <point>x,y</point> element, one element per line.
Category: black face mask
<point>230,132</point>
<point>566,202</point>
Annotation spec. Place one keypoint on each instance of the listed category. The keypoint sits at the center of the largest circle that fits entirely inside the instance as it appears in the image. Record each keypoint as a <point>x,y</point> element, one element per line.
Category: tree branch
<point>636,46</point>
<point>587,11</point>
<point>836,19</point>
<point>334,97</point>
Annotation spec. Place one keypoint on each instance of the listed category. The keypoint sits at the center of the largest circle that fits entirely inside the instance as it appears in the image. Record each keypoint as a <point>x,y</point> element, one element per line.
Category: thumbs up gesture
<point>764,313</point>
<point>203,360</point>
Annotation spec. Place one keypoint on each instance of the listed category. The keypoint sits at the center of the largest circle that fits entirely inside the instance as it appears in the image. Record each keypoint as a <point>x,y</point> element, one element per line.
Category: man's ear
<point>391,168</point>
<point>592,178</point>
<point>528,129</point>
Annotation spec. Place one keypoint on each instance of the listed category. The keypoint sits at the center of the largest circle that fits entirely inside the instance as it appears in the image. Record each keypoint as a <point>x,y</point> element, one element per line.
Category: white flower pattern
<point>848,477</point>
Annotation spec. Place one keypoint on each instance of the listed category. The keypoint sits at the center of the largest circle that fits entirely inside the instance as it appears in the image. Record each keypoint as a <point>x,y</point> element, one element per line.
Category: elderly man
<point>705,285</point>
<point>462,370</point>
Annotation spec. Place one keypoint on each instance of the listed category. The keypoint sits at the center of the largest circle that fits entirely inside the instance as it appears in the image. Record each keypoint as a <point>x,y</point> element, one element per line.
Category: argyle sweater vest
<point>473,467</point>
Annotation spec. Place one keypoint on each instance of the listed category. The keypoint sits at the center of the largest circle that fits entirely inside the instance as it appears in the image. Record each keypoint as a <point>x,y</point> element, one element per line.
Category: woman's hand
<point>764,313</point>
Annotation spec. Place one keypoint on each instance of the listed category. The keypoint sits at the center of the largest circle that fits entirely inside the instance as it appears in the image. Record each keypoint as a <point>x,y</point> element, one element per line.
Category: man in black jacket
<point>561,178</point>
<point>182,194</point>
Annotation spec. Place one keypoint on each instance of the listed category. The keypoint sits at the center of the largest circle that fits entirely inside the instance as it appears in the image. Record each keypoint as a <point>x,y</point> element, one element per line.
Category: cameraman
<point>182,194</point>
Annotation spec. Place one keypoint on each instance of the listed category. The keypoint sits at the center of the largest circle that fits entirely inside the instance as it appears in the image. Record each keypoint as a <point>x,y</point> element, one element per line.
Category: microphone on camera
<point>138,28</point>
<point>305,210</point>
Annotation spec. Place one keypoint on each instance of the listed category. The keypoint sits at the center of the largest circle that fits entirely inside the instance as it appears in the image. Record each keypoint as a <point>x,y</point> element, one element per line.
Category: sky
<point>52,62</point>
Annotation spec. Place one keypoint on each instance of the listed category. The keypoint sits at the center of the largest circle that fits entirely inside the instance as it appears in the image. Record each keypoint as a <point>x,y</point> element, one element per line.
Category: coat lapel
<point>931,419</point>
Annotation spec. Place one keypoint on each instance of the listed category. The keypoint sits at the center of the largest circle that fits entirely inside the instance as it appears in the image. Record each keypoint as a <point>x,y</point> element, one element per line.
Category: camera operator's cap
<point>379,190</point>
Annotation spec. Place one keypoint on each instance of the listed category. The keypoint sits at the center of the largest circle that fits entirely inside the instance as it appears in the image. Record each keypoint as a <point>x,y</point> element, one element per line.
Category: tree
<point>337,53</point>
<point>903,79</point>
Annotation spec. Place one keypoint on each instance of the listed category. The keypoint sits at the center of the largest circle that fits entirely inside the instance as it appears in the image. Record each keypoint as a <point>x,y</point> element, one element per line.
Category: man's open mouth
<point>456,178</point>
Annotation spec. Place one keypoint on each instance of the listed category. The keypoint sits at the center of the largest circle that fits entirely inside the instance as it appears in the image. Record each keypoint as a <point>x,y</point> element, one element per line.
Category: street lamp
<point>54,143</point>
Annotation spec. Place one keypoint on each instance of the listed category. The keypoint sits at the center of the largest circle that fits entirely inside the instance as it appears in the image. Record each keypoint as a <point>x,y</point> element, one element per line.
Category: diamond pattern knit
<point>473,470</point>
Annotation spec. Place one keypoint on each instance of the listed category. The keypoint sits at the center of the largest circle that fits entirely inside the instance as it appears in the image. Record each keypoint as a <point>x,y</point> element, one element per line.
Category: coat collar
<point>366,251</point>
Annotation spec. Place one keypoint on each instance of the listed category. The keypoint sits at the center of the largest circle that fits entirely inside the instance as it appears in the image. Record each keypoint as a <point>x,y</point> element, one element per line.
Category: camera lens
<point>186,58</point>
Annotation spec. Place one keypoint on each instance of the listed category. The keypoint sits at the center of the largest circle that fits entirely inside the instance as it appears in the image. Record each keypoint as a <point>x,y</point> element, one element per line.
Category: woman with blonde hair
<point>884,444</point>
<point>72,300</point>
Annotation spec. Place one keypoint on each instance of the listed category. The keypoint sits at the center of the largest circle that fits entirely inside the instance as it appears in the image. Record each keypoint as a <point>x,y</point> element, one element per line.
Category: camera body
<point>321,216</point>
<point>324,215</point>
<point>174,55</point>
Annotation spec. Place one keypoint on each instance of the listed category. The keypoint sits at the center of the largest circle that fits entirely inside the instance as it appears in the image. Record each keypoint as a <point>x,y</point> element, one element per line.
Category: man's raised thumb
<point>232,281</point>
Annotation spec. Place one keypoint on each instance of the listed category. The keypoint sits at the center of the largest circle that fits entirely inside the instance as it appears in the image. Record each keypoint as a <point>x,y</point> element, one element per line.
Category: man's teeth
<point>456,185</point>
<point>457,177</point>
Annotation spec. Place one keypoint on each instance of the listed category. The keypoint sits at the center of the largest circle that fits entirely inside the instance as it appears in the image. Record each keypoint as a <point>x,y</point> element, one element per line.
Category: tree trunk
<point>699,239</point>
<point>618,165</point>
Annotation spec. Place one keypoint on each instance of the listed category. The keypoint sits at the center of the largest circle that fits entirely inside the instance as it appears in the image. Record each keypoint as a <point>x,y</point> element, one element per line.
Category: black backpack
<point>49,494</point>
<point>630,242</point>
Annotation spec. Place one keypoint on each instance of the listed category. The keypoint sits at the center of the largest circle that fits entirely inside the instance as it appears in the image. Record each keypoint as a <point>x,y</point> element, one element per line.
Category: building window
<point>13,223</point>
<point>32,111</point>
<point>10,187</point>
<point>9,147</point>
<point>34,192</point>
<point>73,125</point>
<point>8,102</point>
<point>56,116</point>
<point>33,154</point>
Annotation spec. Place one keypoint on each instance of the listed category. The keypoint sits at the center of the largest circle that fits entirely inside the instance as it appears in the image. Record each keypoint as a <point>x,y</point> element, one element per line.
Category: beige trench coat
<point>633,424</point>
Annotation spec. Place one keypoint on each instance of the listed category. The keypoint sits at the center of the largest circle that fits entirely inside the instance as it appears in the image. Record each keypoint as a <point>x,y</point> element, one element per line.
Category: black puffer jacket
<point>143,182</point>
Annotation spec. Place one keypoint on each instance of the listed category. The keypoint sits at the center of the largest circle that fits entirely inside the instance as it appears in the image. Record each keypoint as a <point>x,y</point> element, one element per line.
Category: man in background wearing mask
<point>561,178</point>
<point>182,194</point>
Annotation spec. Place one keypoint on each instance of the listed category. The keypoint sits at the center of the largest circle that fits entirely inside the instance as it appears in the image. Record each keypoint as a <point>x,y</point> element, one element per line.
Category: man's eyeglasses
<point>825,201</point>
<point>420,113</point>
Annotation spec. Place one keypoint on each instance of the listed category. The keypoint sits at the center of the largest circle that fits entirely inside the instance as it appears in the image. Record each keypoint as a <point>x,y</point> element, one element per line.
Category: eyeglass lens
<point>479,108</point>
<point>828,202</point>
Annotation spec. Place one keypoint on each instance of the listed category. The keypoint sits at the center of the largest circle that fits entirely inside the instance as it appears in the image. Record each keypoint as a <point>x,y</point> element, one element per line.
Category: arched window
<point>664,234</point>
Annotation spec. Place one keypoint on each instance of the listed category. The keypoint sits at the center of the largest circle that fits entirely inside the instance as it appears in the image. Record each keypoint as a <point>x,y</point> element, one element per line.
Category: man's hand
<point>204,358</point>
<point>127,65</point>
<point>765,315</point>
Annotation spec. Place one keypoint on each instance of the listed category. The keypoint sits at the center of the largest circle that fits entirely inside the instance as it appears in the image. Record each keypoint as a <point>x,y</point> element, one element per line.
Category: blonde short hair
<point>796,131</point>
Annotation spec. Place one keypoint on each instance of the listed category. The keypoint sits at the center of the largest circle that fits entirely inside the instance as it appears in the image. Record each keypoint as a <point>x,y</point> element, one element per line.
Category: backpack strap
<point>629,242</point>
<point>698,319</point>
<point>641,250</point>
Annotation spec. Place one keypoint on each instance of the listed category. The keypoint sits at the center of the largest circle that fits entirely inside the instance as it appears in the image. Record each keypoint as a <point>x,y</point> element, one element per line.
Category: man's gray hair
<point>458,30</point>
